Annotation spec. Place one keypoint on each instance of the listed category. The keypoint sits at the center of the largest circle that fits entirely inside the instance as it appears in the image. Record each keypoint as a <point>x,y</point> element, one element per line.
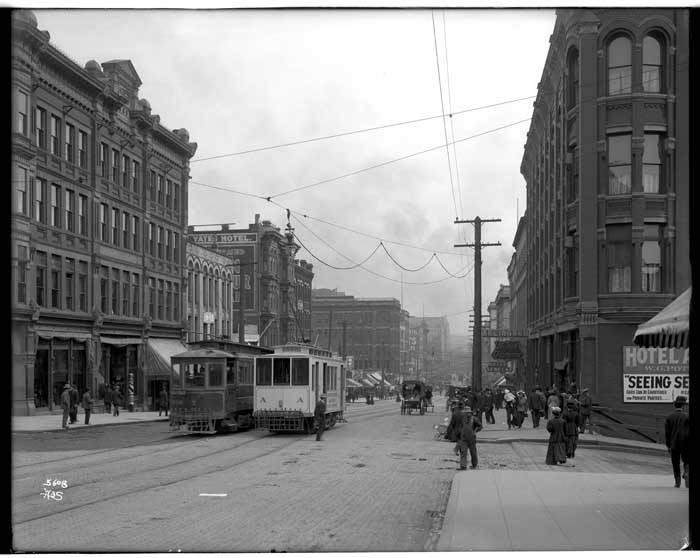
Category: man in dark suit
<point>466,441</point>
<point>74,399</point>
<point>678,440</point>
<point>320,416</point>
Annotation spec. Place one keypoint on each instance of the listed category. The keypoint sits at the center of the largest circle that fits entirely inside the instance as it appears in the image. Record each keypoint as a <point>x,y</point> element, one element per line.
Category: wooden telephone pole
<point>477,245</point>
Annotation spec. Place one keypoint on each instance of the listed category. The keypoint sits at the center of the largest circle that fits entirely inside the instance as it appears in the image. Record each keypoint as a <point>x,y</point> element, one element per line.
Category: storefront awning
<point>561,364</point>
<point>352,383</point>
<point>367,382</point>
<point>57,333</point>
<point>120,341</point>
<point>158,355</point>
<point>669,328</point>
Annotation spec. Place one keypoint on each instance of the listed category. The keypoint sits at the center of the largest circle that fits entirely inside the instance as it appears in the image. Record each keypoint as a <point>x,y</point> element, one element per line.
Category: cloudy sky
<point>243,80</point>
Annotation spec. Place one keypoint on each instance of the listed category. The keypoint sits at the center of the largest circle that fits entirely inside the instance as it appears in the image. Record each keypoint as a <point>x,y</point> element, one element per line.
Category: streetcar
<point>288,384</point>
<point>211,387</point>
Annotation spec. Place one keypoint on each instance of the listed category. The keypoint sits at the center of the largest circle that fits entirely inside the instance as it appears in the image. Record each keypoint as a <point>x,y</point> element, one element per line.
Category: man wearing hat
<point>466,439</point>
<point>65,405</point>
<point>320,416</point>
<point>585,403</point>
<point>678,440</point>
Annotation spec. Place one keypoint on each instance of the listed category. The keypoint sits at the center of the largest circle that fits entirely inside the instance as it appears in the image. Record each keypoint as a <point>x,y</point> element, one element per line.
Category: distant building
<point>606,166</point>
<point>276,287</point>
<point>369,329</point>
<point>98,218</point>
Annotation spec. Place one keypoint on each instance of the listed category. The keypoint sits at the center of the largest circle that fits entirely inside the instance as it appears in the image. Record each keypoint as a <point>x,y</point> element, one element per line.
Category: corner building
<point>607,170</point>
<point>99,213</point>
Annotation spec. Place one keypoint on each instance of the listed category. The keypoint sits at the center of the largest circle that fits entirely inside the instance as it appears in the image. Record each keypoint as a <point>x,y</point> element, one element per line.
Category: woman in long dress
<point>556,451</point>
<point>571,425</point>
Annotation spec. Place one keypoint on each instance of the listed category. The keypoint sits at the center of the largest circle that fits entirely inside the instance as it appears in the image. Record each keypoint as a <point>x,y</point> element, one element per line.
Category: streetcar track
<point>164,484</point>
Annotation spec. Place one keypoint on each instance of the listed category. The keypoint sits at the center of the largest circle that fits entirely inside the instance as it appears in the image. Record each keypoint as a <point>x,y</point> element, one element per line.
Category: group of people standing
<point>69,404</point>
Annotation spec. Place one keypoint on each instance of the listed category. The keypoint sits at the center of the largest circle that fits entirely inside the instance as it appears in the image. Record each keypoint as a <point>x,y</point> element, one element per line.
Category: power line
<point>444,123</point>
<point>378,165</point>
<point>296,236</point>
<point>360,131</point>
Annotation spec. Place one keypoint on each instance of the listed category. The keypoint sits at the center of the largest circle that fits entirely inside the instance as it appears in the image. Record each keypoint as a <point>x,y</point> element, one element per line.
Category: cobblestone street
<point>379,482</point>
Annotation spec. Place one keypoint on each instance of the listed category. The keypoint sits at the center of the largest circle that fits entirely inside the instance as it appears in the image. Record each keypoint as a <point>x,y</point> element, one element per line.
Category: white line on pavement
<point>215,495</point>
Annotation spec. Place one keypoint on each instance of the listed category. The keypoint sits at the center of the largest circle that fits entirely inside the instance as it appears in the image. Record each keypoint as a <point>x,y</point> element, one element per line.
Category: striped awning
<point>158,355</point>
<point>670,327</point>
<point>60,333</point>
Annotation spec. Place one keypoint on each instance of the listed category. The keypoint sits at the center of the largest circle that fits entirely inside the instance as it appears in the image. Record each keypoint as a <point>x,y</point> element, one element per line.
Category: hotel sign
<point>508,333</point>
<point>654,374</point>
<point>219,239</point>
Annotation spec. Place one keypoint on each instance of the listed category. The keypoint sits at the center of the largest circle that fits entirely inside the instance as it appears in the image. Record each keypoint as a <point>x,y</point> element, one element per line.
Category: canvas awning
<point>352,383</point>
<point>561,364</point>
<point>120,341</point>
<point>669,328</point>
<point>158,355</point>
<point>58,333</point>
<point>367,382</point>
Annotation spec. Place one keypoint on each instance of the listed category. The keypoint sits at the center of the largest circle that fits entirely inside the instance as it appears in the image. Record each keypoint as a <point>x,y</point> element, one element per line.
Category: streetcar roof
<point>204,353</point>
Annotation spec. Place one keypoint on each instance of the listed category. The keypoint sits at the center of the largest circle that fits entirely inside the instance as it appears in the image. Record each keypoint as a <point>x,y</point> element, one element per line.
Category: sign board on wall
<point>654,374</point>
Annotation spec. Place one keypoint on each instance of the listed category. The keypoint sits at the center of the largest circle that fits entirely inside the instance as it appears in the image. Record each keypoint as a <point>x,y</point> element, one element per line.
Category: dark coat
<point>487,401</point>
<point>87,401</point>
<point>468,430</point>
<point>677,429</point>
<point>320,410</point>
<point>163,398</point>
<point>585,402</point>
<point>108,395</point>
<point>74,397</point>
<point>556,450</point>
<point>65,399</point>
<point>537,401</point>
<point>117,398</point>
<point>455,425</point>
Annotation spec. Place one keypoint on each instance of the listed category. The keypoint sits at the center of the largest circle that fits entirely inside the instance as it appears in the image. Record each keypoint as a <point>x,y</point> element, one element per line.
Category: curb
<point>603,444</point>
<point>109,424</point>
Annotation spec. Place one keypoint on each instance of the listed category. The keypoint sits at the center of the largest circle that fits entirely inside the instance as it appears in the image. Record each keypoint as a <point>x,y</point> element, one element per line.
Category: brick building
<point>369,329</point>
<point>276,287</point>
<point>99,213</point>
<point>606,165</point>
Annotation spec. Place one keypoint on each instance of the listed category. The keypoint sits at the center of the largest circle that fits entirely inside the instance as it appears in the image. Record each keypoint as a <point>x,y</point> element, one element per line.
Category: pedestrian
<point>556,450</point>
<point>536,403</point>
<point>466,439</point>
<point>320,416</point>
<point>74,399</point>
<point>108,399</point>
<point>488,406</point>
<point>455,424</point>
<point>585,404</point>
<point>87,405</point>
<point>553,400</point>
<point>478,407</point>
<point>572,423</point>
<point>521,408</point>
<point>163,401</point>
<point>511,403</point>
<point>117,401</point>
<point>65,405</point>
<point>677,427</point>
<point>498,399</point>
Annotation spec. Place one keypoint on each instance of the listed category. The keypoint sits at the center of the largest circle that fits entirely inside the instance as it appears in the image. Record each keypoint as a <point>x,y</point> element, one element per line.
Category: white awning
<point>352,383</point>
<point>367,382</point>
<point>60,333</point>
<point>669,328</point>
<point>159,353</point>
<point>120,341</point>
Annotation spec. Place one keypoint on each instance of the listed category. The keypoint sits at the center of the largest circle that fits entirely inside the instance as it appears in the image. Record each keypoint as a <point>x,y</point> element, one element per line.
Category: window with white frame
<point>620,66</point>
<point>651,259</point>
<point>652,65</point>
<point>652,163</point>
<point>620,164</point>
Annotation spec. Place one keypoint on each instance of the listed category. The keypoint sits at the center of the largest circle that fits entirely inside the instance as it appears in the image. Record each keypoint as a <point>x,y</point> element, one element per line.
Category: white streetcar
<point>288,384</point>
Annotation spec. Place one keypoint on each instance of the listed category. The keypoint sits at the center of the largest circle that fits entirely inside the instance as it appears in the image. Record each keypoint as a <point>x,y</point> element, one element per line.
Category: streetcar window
<point>282,372</point>
<point>176,379</point>
<point>216,374</point>
<point>245,373</point>
<point>263,372</point>
<point>300,371</point>
<point>194,375</point>
<point>230,371</point>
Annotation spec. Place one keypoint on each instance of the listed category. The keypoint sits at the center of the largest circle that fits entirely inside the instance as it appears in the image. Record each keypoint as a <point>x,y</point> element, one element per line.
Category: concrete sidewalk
<point>563,511</point>
<point>52,422</point>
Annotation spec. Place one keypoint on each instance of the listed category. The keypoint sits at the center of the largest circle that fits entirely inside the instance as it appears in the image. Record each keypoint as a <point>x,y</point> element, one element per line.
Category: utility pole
<point>330,329</point>
<point>241,308</point>
<point>477,245</point>
<point>343,354</point>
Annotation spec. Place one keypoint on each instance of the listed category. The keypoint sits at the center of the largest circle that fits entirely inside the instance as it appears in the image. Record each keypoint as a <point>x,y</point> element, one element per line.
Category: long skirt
<point>556,453</point>
<point>571,443</point>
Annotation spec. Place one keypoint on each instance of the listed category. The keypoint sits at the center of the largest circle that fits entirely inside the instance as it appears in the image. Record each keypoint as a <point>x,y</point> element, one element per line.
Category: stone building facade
<point>606,165</point>
<point>276,287</point>
<point>98,221</point>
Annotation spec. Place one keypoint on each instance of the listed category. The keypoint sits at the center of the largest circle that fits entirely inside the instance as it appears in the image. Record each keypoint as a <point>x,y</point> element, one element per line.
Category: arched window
<point>651,64</point>
<point>620,66</point>
<point>573,69</point>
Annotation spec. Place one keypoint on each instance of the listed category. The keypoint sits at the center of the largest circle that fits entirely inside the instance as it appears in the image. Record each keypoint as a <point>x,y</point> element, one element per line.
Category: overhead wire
<point>360,131</point>
<point>296,236</point>
<point>444,123</point>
